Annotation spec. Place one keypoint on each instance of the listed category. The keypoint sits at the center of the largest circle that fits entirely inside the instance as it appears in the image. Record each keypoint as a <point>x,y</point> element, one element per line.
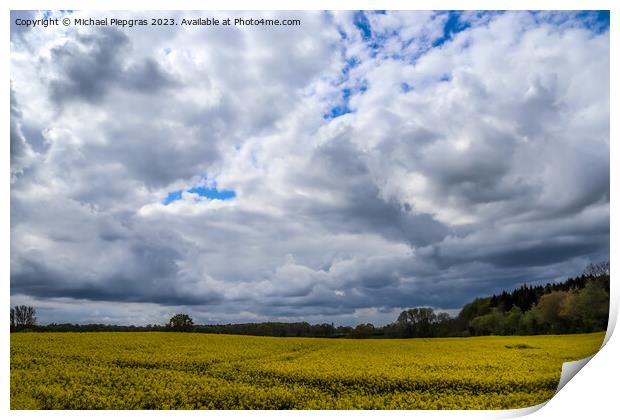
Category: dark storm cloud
<point>89,66</point>
<point>40,282</point>
<point>164,160</point>
<point>340,169</point>
<point>120,263</point>
<point>531,244</point>
<point>22,154</point>
<point>18,142</point>
<point>532,254</point>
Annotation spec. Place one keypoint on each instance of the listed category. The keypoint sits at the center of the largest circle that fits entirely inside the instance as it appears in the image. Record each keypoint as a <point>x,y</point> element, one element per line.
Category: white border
<point>591,394</point>
<point>314,5</point>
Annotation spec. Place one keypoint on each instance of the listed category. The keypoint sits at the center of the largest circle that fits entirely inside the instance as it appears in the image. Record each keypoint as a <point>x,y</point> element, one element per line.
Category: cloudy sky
<point>340,170</point>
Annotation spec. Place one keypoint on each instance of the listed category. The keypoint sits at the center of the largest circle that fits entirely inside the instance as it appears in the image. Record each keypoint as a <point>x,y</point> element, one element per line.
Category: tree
<point>322,330</point>
<point>512,321</point>
<point>478,307</point>
<point>363,331</point>
<point>12,318</point>
<point>25,316</point>
<point>417,322</point>
<point>181,322</point>
<point>599,269</point>
<point>587,308</point>
<point>491,323</point>
<point>548,311</point>
<point>529,324</point>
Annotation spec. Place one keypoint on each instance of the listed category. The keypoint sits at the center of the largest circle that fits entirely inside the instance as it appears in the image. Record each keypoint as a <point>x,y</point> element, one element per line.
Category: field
<point>190,371</point>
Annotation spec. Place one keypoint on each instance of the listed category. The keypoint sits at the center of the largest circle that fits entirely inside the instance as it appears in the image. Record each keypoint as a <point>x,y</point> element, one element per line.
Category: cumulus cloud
<point>379,161</point>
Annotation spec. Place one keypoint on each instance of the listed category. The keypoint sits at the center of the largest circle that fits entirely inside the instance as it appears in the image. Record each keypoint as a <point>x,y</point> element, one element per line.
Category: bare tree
<point>597,269</point>
<point>12,318</point>
<point>25,316</point>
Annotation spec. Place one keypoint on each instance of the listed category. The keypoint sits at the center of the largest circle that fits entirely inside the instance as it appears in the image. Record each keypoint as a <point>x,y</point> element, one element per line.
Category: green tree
<point>445,325</point>
<point>512,321</point>
<point>549,314</point>
<point>417,322</point>
<point>394,330</point>
<point>489,324</point>
<point>477,307</point>
<point>363,331</point>
<point>587,308</point>
<point>529,324</point>
<point>181,322</point>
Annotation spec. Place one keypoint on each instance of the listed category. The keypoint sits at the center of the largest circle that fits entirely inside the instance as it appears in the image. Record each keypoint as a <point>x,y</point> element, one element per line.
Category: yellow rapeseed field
<point>152,370</point>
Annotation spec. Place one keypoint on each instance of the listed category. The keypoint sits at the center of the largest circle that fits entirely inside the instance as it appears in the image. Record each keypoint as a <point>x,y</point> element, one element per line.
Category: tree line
<point>579,304</point>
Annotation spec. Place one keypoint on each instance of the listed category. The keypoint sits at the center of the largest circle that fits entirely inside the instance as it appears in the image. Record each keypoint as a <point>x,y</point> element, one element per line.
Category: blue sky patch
<point>343,107</point>
<point>337,111</point>
<point>349,63</point>
<point>596,21</point>
<point>213,193</point>
<point>362,23</point>
<point>172,196</point>
<point>600,20</point>
<point>210,193</point>
<point>48,13</point>
<point>453,25</point>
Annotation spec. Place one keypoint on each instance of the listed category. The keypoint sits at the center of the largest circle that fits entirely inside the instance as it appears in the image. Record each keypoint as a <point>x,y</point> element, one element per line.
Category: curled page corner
<point>570,369</point>
<point>522,412</point>
<point>611,324</point>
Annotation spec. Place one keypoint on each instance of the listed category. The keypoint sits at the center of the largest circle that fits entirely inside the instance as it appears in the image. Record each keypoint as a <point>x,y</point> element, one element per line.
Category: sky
<point>341,170</point>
